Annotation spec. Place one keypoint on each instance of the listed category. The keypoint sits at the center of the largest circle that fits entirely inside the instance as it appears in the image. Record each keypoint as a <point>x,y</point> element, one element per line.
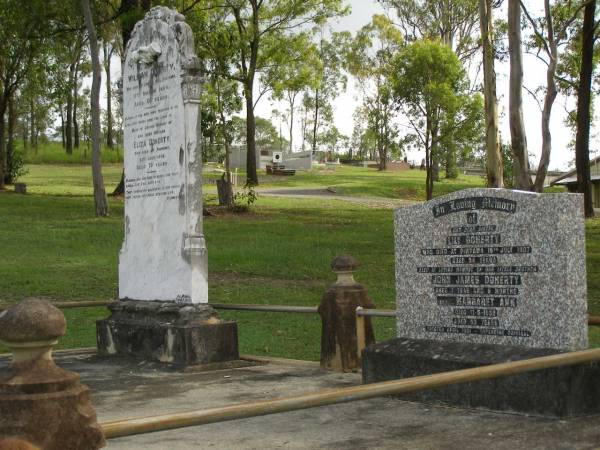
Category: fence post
<point>339,338</point>
<point>40,403</point>
<point>361,339</point>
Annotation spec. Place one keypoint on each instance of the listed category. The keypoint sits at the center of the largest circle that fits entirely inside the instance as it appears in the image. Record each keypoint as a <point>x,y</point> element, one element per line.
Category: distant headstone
<point>162,314</point>
<point>495,267</point>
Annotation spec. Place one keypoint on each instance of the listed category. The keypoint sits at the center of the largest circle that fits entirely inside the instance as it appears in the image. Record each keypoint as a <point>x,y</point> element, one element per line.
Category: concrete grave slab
<point>122,388</point>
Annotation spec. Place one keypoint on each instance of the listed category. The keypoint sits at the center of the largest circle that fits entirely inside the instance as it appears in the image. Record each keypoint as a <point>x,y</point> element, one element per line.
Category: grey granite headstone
<point>163,256</point>
<point>492,266</point>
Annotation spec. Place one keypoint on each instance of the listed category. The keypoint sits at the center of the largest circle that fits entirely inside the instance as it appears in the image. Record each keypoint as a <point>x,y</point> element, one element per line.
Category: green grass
<point>54,248</point>
<point>359,181</point>
<point>68,180</point>
<point>54,153</point>
<point>279,253</point>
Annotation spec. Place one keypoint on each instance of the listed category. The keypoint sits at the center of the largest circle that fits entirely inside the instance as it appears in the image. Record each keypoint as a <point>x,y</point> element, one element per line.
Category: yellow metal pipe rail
<point>266,308</point>
<point>592,320</point>
<point>139,425</point>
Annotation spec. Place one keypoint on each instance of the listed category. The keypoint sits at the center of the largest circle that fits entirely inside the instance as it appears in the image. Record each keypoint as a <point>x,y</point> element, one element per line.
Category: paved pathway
<point>124,388</point>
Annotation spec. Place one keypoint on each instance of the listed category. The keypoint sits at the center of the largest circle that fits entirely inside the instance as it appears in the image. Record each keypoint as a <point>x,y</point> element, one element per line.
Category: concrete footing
<point>558,392</point>
<point>167,332</point>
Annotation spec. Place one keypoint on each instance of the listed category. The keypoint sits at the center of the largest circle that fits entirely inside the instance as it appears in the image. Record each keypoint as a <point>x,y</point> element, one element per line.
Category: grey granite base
<point>557,392</point>
<point>167,332</point>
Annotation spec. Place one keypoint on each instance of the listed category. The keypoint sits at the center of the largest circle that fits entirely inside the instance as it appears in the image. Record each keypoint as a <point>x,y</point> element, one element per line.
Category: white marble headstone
<point>493,266</point>
<point>163,256</point>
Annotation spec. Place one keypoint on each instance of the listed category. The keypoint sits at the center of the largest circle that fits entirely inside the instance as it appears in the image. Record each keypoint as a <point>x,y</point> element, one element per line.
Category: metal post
<point>361,341</point>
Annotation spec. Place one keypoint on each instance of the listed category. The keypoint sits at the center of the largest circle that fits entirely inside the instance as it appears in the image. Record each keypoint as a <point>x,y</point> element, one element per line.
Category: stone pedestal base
<point>167,332</point>
<point>48,407</point>
<point>338,326</point>
<point>557,392</point>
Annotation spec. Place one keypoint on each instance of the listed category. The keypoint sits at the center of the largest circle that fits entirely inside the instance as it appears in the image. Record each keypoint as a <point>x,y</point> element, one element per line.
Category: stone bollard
<point>40,403</point>
<point>338,317</point>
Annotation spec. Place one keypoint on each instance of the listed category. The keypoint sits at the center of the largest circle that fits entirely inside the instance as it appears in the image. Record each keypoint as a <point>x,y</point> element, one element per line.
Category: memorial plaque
<point>493,266</point>
<point>163,256</point>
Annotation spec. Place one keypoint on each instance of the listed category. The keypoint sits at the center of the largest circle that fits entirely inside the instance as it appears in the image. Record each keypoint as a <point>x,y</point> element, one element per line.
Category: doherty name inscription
<point>493,266</point>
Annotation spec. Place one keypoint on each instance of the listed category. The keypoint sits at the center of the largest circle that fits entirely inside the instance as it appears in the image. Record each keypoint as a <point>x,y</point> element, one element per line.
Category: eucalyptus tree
<point>300,71</point>
<point>453,22</point>
<point>582,140</point>
<point>549,34</point>
<point>372,51</point>
<point>258,34</point>
<point>459,25</point>
<point>23,39</point>
<point>430,87</point>
<point>493,153</point>
<point>331,79</point>
<point>521,177</point>
<point>100,202</point>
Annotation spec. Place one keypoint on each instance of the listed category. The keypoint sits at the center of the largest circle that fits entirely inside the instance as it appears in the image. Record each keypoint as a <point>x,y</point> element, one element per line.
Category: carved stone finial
<point>344,266</point>
<point>31,328</point>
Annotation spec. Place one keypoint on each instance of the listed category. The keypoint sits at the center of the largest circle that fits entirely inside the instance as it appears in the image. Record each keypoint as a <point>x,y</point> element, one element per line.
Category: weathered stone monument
<point>162,312</point>
<point>486,276</point>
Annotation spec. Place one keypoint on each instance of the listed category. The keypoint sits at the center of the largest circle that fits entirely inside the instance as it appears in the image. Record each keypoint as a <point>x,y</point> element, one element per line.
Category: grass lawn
<point>279,253</point>
<point>72,179</point>
<point>359,181</point>
<point>53,153</point>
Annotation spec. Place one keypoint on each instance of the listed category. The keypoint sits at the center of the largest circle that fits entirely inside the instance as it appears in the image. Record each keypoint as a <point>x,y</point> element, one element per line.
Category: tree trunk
<point>379,133</point>
<point>69,126</point>
<point>517,128</point>
<point>3,107</point>
<point>451,165</point>
<point>435,165</point>
<point>251,175</point>
<point>99,193</point>
<point>25,134</point>
<point>315,122</point>
<point>109,124</point>
<point>551,92</point>
<point>10,146</point>
<point>225,191</point>
<point>494,169</point>
<point>33,126</point>
<point>304,121</point>
<point>292,102</point>
<point>582,138</point>
<point>62,126</point>
<point>428,163</point>
<point>75,98</point>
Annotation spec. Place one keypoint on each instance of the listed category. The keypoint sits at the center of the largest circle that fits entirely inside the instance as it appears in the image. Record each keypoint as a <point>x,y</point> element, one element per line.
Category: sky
<point>534,75</point>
